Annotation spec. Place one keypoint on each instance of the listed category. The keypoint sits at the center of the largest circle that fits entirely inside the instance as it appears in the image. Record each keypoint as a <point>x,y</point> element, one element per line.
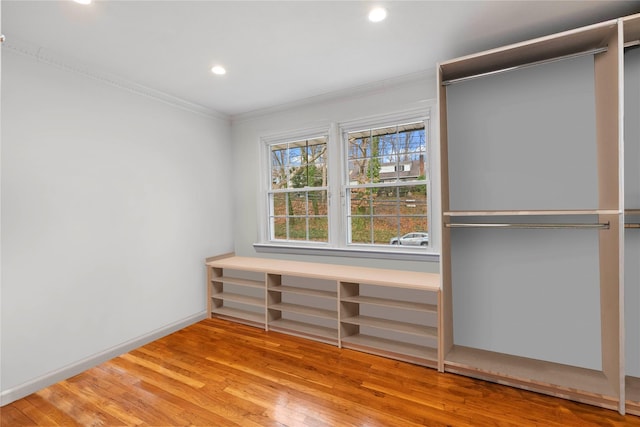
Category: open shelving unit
<point>521,237</point>
<point>390,313</point>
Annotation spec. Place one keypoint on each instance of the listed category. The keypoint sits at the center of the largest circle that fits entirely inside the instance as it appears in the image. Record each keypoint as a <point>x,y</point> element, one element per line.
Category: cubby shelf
<point>392,325</point>
<point>239,282</point>
<point>304,291</point>
<point>302,309</point>
<point>391,348</point>
<point>385,302</point>
<point>239,315</point>
<point>239,298</point>
<point>310,330</point>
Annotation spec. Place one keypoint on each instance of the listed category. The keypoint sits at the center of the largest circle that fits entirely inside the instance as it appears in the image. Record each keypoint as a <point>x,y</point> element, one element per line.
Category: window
<point>362,187</point>
<point>298,190</point>
<point>386,185</point>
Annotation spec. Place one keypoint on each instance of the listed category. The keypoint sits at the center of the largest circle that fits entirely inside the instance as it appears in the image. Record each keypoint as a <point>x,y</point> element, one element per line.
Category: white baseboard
<point>13,394</point>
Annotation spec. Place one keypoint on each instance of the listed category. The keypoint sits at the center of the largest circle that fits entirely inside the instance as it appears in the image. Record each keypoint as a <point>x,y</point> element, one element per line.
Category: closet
<point>533,216</point>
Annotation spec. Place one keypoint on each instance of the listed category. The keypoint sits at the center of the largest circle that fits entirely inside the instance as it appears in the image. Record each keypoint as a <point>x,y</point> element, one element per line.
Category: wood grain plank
<point>55,414</point>
<point>34,413</point>
<point>219,373</point>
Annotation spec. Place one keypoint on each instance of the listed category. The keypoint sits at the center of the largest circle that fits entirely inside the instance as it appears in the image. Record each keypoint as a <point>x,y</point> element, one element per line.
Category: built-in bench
<point>391,313</point>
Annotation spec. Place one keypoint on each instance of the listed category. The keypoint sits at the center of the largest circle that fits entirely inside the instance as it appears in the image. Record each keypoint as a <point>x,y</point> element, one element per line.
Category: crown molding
<point>68,64</point>
<point>356,91</point>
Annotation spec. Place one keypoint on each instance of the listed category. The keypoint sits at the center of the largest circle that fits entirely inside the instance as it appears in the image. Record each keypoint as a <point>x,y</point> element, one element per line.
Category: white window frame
<point>382,122</point>
<point>336,191</point>
<point>267,234</point>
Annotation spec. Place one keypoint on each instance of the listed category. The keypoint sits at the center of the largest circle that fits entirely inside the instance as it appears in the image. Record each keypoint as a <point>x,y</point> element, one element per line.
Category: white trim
<point>365,251</point>
<point>305,189</point>
<point>57,60</point>
<point>25,389</point>
<point>337,229</point>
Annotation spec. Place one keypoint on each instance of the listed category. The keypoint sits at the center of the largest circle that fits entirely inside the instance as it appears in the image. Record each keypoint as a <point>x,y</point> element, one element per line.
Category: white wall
<point>382,98</point>
<point>110,202</point>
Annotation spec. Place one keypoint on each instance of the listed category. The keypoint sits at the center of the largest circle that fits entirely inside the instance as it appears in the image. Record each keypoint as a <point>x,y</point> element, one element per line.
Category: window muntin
<point>386,185</point>
<point>298,190</point>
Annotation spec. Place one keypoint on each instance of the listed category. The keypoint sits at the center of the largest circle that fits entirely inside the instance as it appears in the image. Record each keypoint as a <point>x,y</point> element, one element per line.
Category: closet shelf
<point>384,302</point>
<point>383,346</point>
<point>392,325</point>
<point>237,314</point>
<point>304,291</point>
<point>585,385</point>
<point>540,49</point>
<point>238,281</point>
<point>297,328</point>
<point>243,299</point>
<point>301,309</point>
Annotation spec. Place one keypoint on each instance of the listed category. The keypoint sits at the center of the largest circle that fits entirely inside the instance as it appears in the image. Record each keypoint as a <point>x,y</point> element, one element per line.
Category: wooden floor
<point>216,373</point>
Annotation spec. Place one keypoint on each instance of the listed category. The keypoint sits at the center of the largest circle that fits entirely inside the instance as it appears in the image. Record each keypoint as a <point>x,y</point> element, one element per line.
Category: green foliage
<point>420,189</point>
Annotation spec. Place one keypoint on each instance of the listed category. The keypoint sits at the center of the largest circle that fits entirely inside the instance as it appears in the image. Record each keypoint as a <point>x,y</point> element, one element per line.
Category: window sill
<point>354,252</point>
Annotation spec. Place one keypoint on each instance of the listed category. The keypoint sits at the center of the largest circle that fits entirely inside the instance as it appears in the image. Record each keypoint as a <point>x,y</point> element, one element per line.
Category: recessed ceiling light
<point>219,70</point>
<point>378,14</point>
<point>83,1</point>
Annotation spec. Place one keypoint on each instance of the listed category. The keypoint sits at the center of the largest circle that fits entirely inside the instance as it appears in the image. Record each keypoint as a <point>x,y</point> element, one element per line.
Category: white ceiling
<point>277,52</point>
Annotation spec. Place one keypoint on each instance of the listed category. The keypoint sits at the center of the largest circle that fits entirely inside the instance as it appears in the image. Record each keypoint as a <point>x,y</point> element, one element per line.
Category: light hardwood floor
<point>218,373</point>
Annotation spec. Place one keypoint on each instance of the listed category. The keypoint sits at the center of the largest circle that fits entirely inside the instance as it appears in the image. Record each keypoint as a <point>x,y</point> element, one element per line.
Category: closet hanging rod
<point>530,64</point>
<point>523,225</point>
<point>632,225</point>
